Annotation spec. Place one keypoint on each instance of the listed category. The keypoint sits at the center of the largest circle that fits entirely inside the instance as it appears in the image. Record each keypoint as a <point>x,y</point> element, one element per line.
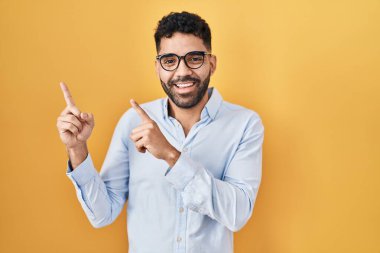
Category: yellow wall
<point>309,68</point>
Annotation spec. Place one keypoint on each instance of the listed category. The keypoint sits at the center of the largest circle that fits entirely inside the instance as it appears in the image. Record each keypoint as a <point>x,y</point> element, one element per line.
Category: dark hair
<point>183,22</point>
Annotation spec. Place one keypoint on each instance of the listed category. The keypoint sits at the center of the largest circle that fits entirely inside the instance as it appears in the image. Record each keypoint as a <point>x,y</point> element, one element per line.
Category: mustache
<point>184,79</point>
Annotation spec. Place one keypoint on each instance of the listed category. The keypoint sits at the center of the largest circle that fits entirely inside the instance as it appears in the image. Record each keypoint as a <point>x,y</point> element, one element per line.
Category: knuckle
<point>73,128</point>
<point>72,117</point>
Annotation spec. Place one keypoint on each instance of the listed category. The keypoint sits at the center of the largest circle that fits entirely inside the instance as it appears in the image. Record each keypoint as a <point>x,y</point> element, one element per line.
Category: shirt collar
<point>211,108</point>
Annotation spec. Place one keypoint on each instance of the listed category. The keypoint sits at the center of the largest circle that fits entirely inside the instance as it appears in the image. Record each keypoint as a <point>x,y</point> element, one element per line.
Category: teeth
<point>183,85</point>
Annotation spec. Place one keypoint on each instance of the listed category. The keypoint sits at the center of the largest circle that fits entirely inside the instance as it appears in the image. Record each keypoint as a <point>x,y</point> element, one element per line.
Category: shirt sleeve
<point>229,201</point>
<point>103,195</point>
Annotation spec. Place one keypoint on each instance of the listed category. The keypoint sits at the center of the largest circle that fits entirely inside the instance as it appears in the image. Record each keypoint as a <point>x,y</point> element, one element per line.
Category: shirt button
<point>181,209</point>
<point>179,239</point>
<point>184,149</point>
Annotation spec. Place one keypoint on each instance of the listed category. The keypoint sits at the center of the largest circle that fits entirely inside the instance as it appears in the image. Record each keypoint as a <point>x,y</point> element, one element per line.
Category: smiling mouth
<point>184,85</point>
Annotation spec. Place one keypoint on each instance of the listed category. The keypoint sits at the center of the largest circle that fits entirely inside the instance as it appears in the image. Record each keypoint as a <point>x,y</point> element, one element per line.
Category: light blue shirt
<point>196,205</point>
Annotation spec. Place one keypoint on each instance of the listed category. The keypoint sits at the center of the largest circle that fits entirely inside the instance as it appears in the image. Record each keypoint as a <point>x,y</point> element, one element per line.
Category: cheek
<point>165,76</point>
<point>204,74</point>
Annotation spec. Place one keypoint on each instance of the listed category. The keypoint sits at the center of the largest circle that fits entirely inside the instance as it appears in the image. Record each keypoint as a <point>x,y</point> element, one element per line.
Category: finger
<point>138,135</point>
<point>140,146</point>
<point>71,119</point>
<point>143,115</point>
<point>88,118</point>
<point>67,127</point>
<point>71,109</point>
<point>142,150</point>
<point>148,125</point>
<point>66,94</point>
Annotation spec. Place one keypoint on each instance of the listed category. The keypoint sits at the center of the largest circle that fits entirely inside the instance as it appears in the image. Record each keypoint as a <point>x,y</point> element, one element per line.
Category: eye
<point>169,60</point>
<point>196,58</point>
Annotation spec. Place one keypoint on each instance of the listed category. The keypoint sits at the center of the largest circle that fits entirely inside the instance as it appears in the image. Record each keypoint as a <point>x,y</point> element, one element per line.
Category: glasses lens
<point>194,59</point>
<point>169,62</point>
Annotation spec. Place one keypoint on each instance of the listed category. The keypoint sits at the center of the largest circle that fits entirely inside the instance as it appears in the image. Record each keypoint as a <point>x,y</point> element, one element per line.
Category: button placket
<point>182,227</point>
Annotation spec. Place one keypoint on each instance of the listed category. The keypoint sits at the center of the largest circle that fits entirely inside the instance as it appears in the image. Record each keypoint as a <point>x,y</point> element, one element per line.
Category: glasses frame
<point>203,53</point>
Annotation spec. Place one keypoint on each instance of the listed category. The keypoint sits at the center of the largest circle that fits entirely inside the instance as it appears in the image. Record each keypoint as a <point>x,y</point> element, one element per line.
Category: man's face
<point>198,79</point>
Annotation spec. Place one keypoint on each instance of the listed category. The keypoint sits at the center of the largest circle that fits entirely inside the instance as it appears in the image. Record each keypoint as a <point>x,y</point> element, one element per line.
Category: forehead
<point>181,43</point>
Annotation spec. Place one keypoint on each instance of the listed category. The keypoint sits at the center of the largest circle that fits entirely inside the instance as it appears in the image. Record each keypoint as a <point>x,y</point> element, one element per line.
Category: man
<point>189,164</point>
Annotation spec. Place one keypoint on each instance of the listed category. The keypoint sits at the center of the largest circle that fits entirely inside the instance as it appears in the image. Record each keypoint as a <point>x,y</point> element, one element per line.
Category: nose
<point>182,69</point>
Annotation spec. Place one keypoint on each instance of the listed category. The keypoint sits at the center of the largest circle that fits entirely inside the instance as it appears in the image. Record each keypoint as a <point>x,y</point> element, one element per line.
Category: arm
<point>102,196</point>
<point>229,201</point>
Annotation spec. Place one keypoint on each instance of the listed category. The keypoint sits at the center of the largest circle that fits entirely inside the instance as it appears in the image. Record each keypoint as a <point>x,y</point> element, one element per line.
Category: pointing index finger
<point>67,95</point>
<point>140,111</point>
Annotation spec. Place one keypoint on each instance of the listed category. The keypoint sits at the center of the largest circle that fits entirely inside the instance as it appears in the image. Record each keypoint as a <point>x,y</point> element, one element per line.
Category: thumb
<point>88,118</point>
<point>84,115</point>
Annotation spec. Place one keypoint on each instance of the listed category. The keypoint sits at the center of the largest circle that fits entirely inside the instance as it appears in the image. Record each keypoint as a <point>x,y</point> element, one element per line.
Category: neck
<point>187,117</point>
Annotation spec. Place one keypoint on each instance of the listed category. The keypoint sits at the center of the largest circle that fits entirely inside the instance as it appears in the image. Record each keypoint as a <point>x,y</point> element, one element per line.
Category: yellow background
<point>309,68</point>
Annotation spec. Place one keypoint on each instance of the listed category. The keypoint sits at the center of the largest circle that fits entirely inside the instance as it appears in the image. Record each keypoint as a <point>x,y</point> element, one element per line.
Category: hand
<point>148,136</point>
<point>74,126</point>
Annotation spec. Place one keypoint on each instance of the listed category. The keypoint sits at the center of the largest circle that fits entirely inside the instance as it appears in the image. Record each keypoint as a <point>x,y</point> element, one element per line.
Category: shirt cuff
<point>83,173</point>
<point>182,172</point>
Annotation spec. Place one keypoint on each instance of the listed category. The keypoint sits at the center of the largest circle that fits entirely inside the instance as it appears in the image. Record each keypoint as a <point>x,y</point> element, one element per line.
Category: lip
<point>185,89</point>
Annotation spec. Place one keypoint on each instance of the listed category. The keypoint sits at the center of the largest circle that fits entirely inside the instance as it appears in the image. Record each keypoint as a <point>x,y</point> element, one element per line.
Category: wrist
<point>77,154</point>
<point>172,157</point>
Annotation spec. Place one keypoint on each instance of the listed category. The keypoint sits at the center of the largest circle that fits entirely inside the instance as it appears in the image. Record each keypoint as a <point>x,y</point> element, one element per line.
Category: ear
<point>157,68</point>
<point>213,63</point>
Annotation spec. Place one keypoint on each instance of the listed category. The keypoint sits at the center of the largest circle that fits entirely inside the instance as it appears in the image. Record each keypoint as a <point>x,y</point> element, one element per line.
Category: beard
<point>190,100</point>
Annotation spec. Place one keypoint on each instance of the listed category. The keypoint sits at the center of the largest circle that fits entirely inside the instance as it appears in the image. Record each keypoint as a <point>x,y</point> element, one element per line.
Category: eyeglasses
<point>193,60</point>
